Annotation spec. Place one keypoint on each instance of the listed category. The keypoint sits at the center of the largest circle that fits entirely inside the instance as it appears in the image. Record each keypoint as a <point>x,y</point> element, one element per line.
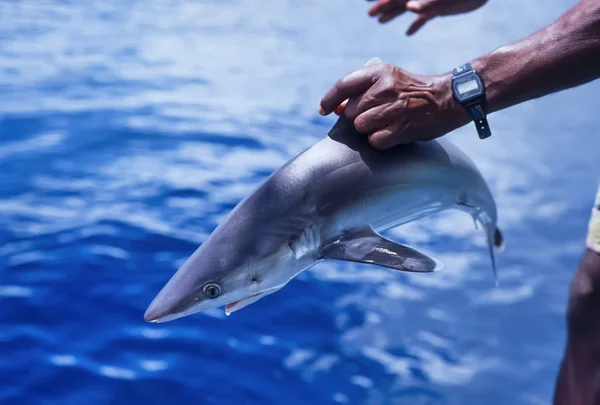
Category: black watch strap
<point>478,115</point>
<point>476,108</point>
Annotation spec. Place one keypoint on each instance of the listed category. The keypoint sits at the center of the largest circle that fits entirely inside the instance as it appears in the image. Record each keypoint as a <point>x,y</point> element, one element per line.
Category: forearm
<point>562,55</point>
<point>393,106</point>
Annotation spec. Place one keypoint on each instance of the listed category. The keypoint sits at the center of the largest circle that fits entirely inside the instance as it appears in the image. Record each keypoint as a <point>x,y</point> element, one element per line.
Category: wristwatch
<point>469,91</point>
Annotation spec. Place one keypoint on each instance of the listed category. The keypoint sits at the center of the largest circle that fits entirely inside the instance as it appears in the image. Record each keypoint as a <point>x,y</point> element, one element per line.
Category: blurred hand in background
<point>387,10</point>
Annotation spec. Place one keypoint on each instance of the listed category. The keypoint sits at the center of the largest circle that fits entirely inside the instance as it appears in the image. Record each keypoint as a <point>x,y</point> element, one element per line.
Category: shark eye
<point>211,290</point>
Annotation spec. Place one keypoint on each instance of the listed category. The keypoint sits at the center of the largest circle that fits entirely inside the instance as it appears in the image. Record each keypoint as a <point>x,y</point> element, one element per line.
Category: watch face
<point>468,87</point>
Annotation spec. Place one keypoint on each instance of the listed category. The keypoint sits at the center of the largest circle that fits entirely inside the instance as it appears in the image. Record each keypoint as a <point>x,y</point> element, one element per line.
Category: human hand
<point>426,10</point>
<point>392,106</point>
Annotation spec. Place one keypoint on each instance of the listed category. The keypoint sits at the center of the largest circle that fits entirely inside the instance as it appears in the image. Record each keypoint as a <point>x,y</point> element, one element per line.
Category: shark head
<point>207,280</point>
<point>234,267</point>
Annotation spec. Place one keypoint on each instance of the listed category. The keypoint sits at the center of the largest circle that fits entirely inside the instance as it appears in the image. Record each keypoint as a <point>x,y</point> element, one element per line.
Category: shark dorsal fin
<point>367,246</point>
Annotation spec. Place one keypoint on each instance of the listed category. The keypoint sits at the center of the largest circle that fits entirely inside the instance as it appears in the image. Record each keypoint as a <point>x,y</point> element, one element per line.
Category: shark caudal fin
<point>498,240</point>
<point>495,240</point>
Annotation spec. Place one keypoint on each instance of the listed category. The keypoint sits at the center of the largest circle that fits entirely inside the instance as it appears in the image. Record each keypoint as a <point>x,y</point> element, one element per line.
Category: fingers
<point>399,133</point>
<point>377,95</point>
<point>351,85</point>
<point>418,23</point>
<point>387,9</point>
<point>352,106</point>
<point>340,108</point>
<point>426,10</point>
<point>390,15</point>
<point>381,7</point>
<point>383,139</point>
<point>374,119</point>
<point>443,7</point>
<point>421,6</point>
<point>392,135</point>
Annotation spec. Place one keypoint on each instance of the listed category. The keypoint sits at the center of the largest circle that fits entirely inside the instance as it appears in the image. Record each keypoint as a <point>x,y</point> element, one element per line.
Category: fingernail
<point>413,5</point>
<point>339,109</point>
<point>321,111</point>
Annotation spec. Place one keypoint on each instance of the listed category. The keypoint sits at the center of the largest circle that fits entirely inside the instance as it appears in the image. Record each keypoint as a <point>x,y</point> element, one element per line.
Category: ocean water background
<point>128,130</point>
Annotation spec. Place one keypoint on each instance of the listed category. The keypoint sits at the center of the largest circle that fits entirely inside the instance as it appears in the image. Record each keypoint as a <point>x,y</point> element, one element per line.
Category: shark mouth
<point>237,305</point>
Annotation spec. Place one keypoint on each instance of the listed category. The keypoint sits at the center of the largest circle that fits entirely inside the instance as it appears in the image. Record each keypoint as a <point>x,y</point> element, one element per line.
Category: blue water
<point>128,130</point>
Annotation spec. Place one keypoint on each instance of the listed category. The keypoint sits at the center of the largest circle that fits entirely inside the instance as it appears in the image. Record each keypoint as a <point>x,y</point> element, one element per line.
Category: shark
<point>330,202</point>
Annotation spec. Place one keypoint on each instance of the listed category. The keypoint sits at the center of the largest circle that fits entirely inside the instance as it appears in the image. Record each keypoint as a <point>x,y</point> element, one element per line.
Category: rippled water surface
<point>129,129</point>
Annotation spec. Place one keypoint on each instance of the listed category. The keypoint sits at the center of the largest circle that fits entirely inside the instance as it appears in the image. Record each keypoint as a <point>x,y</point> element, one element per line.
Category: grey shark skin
<point>329,202</point>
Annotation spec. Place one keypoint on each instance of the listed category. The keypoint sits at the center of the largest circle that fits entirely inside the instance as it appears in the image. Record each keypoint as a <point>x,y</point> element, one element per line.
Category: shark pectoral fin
<point>366,246</point>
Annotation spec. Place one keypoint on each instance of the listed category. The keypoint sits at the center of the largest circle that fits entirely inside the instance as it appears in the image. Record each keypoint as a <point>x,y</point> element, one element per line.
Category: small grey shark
<point>328,203</point>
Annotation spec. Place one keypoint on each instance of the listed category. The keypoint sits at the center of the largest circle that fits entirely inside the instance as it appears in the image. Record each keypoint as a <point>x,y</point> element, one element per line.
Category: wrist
<point>494,78</point>
<point>452,113</point>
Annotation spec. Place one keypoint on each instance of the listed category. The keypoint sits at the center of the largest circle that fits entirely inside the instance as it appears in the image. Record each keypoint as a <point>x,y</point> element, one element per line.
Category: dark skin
<point>578,380</point>
<point>426,10</point>
<point>392,106</point>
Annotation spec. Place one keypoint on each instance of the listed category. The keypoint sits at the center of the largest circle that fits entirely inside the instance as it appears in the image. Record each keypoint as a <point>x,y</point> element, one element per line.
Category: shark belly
<point>389,207</point>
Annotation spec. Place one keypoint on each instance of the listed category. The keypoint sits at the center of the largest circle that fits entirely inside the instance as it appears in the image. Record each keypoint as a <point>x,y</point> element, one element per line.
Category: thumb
<point>373,61</point>
<point>421,6</point>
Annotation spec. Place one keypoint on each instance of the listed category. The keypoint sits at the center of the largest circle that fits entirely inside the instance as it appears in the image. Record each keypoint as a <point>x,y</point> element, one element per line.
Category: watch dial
<point>467,86</point>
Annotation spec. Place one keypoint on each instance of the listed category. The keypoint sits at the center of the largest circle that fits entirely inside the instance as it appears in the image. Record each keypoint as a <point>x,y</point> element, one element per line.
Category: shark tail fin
<point>495,240</point>
<point>498,240</point>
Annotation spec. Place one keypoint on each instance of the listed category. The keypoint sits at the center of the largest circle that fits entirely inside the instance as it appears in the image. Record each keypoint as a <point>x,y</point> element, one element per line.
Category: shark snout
<point>170,303</point>
<point>159,309</point>
<point>155,311</point>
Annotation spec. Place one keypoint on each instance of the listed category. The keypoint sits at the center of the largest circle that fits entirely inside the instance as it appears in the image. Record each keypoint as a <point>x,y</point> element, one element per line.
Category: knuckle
<point>387,84</point>
<point>398,110</point>
<point>390,69</point>
<point>383,71</point>
<point>368,100</point>
<point>388,88</point>
<point>380,116</point>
